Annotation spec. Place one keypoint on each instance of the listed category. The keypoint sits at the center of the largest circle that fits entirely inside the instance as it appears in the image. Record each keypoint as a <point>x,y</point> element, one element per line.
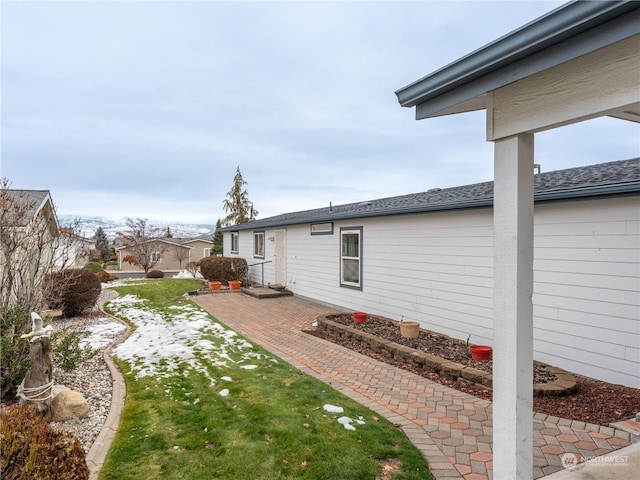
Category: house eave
<point>565,33</point>
<point>583,193</point>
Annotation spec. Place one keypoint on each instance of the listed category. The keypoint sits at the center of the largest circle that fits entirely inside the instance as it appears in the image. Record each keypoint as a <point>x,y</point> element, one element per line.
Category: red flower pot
<point>481,352</point>
<point>359,317</point>
<point>234,284</point>
<point>215,285</point>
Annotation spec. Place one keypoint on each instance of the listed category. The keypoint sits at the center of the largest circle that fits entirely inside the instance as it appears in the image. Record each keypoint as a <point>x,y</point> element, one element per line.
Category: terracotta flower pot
<point>410,329</point>
<point>480,352</point>
<point>215,285</point>
<point>359,317</point>
<point>234,284</point>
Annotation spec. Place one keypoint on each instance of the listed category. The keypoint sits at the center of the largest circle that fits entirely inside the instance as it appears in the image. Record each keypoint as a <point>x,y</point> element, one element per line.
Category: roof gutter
<point>573,194</point>
<point>559,25</point>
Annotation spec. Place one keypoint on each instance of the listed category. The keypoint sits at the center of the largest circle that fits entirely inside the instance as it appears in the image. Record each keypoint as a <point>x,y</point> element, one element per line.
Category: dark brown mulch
<point>434,343</point>
<point>595,401</point>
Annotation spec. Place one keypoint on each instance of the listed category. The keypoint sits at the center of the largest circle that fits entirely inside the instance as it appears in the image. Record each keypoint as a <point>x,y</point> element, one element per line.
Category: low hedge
<point>223,269</point>
<point>155,274</point>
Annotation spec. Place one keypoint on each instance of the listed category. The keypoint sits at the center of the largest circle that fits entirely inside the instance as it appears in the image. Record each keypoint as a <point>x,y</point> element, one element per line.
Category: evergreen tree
<point>101,239</point>
<point>102,244</point>
<point>237,203</point>
<point>217,239</point>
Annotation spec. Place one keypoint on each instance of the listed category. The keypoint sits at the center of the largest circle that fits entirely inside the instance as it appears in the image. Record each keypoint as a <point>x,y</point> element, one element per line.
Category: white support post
<point>513,310</point>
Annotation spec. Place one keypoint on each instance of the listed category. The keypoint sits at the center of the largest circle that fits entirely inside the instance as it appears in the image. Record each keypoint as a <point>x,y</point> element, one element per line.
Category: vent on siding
<point>321,228</point>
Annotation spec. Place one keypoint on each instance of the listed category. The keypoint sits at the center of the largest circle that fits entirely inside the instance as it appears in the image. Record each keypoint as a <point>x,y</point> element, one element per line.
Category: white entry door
<point>281,257</point>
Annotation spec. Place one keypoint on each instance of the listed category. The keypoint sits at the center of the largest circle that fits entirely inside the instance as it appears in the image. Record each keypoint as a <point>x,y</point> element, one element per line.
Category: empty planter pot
<point>359,317</point>
<point>410,329</point>
<point>480,352</point>
<point>234,284</point>
<point>215,285</point>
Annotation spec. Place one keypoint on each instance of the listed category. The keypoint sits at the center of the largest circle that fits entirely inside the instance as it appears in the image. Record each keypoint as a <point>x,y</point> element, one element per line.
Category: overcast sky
<point>145,109</point>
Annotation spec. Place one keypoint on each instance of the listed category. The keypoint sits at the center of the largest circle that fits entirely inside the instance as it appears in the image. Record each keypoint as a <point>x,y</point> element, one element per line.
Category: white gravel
<point>93,378</point>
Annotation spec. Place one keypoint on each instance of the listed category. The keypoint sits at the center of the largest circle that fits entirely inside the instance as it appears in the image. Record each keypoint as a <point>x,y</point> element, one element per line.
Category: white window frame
<point>156,257</point>
<point>258,244</point>
<point>344,257</point>
<point>206,252</point>
<point>235,242</point>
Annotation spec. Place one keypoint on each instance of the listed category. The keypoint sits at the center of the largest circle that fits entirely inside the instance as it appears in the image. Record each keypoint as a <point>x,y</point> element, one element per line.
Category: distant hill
<point>89,225</point>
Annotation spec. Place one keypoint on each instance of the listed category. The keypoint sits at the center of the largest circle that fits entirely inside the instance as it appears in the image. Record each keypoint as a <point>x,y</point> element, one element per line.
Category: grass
<point>272,424</point>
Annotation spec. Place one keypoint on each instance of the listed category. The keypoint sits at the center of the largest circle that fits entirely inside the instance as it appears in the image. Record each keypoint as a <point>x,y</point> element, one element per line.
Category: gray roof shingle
<point>31,200</point>
<point>606,178</point>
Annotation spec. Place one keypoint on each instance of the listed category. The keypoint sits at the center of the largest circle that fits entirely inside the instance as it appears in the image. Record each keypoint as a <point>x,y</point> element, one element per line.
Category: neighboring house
<point>429,257</point>
<point>73,251</point>
<point>174,253</point>
<point>29,231</point>
<point>200,246</point>
<point>171,255</point>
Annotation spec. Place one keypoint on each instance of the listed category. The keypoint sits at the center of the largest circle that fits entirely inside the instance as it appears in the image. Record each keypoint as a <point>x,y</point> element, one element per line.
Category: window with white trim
<point>258,244</point>
<point>351,257</point>
<point>156,257</point>
<point>235,247</point>
<point>206,252</point>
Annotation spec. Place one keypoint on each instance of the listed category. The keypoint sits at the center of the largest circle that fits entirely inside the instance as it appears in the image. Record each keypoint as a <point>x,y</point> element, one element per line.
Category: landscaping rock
<point>67,404</point>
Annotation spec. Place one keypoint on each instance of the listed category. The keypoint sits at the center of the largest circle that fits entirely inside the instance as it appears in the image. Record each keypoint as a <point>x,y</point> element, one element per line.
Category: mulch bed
<point>595,401</point>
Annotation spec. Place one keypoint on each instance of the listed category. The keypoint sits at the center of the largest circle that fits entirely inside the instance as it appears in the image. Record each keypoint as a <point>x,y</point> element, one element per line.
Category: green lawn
<point>226,409</point>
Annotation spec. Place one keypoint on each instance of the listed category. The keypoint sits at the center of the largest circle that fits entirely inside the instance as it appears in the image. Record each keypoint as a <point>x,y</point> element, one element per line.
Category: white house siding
<point>437,268</point>
<point>587,288</point>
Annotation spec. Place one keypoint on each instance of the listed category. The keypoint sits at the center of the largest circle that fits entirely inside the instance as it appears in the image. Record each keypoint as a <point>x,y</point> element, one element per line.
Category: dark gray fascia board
<point>632,188</point>
<point>583,26</point>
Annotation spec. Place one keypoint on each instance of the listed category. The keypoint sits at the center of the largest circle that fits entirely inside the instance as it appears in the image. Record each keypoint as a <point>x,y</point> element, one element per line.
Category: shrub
<point>111,263</point>
<point>73,291</point>
<point>214,269</point>
<point>223,269</point>
<point>14,351</point>
<point>32,449</point>
<point>68,354</point>
<point>93,267</point>
<point>238,268</point>
<point>155,274</point>
<point>105,276</point>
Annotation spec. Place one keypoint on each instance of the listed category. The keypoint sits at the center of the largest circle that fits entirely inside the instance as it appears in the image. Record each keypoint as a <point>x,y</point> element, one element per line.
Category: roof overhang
<point>563,34</point>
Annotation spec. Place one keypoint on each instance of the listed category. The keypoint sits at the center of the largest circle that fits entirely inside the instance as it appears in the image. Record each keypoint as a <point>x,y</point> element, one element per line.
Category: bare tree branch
<point>144,242</point>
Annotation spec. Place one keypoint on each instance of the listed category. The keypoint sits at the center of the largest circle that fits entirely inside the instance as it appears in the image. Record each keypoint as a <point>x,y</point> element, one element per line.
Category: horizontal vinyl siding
<point>437,268</point>
<point>587,288</point>
<point>434,268</point>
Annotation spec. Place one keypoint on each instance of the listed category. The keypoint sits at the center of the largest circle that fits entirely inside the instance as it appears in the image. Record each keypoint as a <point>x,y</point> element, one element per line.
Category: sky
<point>145,109</point>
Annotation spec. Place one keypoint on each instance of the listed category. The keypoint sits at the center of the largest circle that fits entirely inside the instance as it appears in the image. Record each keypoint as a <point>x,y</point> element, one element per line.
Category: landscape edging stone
<point>564,384</point>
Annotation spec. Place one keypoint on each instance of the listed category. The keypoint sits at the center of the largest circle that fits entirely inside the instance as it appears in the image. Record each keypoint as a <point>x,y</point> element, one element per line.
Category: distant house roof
<point>168,241</point>
<point>34,201</point>
<point>621,177</point>
<point>205,237</point>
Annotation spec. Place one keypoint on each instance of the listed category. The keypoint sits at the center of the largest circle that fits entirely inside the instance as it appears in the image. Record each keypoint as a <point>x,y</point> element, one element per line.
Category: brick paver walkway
<point>451,428</point>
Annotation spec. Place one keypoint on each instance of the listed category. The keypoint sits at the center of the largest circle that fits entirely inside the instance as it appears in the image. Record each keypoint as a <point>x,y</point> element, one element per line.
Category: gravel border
<point>92,379</point>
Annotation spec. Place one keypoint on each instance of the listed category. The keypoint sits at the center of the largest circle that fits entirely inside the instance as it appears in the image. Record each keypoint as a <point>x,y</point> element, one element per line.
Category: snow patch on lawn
<point>170,343</point>
<point>102,334</point>
<point>333,409</point>
<point>345,421</point>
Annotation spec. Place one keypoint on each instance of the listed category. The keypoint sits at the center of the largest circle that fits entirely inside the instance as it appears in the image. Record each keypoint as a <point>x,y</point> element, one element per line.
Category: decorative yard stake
<point>37,384</point>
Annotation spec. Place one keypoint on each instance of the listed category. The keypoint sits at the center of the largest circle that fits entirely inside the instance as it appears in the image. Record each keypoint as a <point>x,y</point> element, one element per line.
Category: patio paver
<point>451,428</point>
